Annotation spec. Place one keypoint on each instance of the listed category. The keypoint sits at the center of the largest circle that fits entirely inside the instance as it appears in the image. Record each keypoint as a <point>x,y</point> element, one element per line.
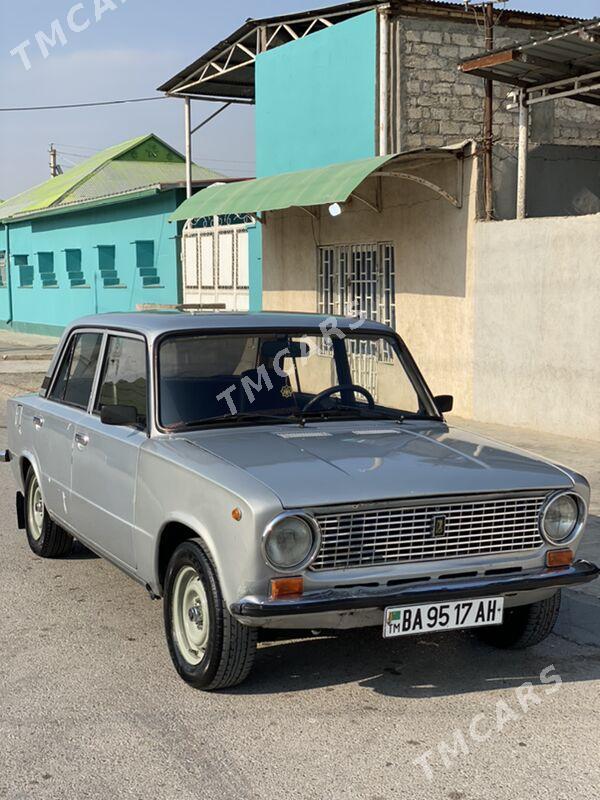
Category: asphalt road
<point>90,706</point>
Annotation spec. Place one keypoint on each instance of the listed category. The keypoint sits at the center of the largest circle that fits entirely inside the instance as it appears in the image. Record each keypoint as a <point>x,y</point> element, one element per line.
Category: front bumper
<point>440,591</point>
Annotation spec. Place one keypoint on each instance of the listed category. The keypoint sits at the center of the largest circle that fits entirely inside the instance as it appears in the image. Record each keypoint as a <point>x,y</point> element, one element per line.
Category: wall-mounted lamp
<point>335,209</point>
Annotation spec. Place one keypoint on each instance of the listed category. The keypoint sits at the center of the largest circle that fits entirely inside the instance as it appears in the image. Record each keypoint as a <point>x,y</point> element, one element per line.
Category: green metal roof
<point>138,164</point>
<point>310,187</point>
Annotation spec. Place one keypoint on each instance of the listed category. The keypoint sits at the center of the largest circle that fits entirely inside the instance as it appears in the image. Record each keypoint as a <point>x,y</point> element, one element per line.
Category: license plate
<point>431,617</point>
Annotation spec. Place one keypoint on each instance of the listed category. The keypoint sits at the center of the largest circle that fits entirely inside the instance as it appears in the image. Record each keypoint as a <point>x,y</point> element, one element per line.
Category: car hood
<point>340,462</point>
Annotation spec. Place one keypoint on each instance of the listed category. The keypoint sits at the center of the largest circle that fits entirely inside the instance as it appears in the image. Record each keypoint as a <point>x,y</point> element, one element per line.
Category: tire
<point>524,626</point>
<point>45,538</point>
<point>213,656</point>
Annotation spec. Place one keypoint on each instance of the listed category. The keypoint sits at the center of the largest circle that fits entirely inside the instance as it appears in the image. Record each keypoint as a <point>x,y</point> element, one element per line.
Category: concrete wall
<point>119,224</point>
<point>537,324</point>
<point>562,180</point>
<point>441,105</point>
<point>433,268</point>
<point>503,315</point>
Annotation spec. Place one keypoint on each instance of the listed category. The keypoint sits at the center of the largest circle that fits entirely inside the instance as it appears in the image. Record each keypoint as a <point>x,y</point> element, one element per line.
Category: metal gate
<point>214,255</point>
<point>359,280</point>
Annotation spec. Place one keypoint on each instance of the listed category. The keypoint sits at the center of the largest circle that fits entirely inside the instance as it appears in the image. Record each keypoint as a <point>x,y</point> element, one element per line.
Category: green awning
<point>309,187</point>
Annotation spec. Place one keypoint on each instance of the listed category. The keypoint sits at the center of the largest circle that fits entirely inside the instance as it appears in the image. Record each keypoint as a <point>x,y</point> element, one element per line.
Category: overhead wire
<point>85,105</point>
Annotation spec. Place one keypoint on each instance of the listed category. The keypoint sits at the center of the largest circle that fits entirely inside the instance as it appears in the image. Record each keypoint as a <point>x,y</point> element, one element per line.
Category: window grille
<point>358,280</point>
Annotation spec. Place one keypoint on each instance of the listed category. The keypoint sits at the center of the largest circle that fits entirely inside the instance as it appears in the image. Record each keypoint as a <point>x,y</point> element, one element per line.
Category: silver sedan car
<point>287,471</point>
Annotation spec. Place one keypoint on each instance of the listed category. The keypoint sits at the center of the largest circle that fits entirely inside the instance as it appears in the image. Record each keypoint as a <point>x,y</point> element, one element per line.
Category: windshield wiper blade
<point>366,413</point>
<point>344,411</point>
<point>240,417</point>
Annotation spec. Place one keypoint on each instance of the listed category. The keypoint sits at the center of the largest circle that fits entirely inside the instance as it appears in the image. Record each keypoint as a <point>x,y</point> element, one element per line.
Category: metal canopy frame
<point>564,65</point>
<point>226,72</point>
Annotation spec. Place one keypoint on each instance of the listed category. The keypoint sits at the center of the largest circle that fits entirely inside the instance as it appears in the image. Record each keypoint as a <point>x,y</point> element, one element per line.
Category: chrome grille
<point>399,534</point>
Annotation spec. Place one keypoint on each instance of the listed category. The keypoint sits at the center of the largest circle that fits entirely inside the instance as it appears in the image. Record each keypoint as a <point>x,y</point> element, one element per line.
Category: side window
<point>77,369</point>
<point>124,381</point>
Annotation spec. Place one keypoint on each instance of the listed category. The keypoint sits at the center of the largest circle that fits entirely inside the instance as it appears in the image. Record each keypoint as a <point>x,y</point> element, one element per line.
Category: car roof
<point>156,323</point>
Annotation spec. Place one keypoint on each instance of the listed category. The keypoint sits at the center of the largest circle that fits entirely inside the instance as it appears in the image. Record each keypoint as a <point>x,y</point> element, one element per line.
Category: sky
<point>133,47</point>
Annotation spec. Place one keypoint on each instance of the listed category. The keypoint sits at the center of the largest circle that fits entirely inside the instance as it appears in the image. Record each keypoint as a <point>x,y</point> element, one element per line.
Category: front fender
<point>201,497</point>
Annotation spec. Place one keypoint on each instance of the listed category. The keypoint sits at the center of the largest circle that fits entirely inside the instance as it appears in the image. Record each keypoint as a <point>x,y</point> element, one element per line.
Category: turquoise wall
<point>316,98</point>
<point>56,299</point>
<point>255,267</point>
<point>315,105</point>
<point>4,296</point>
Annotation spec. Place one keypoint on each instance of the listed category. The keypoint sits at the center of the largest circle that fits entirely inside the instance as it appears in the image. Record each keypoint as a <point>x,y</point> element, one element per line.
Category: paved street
<point>91,707</point>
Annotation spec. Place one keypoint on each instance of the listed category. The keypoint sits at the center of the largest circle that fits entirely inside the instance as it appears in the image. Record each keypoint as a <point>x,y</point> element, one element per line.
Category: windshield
<point>227,378</point>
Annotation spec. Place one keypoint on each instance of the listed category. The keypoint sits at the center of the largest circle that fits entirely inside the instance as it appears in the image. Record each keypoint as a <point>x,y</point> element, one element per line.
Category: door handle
<point>38,422</point>
<point>82,439</point>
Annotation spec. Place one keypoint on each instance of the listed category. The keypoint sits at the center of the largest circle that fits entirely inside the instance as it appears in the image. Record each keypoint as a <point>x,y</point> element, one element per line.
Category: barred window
<point>358,280</point>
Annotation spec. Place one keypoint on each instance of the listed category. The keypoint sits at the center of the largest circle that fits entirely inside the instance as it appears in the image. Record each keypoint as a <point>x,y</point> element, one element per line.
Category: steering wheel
<point>340,388</point>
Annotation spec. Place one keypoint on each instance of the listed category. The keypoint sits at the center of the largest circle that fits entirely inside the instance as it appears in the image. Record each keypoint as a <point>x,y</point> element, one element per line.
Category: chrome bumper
<point>440,591</point>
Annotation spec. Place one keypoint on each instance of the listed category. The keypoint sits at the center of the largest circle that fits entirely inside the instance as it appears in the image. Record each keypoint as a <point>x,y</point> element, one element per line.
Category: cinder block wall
<point>442,105</point>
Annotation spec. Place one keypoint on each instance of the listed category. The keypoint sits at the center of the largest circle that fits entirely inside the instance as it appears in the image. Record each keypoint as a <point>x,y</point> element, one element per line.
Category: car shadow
<point>414,667</point>
<point>79,552</point>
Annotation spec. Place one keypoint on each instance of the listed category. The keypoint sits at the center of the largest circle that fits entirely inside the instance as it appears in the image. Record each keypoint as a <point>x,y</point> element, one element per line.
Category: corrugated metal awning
<point>312,187</point>
<point>566,64</point>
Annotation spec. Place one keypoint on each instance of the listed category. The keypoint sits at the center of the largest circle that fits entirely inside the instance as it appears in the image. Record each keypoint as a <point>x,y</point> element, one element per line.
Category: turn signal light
<point>285,587</point>
<point>560,558</point>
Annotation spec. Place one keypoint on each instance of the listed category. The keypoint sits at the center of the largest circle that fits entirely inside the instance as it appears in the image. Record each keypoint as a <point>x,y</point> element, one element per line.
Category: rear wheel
<point>46,538</point>
<point>209,648</point>
<point>524,626</point>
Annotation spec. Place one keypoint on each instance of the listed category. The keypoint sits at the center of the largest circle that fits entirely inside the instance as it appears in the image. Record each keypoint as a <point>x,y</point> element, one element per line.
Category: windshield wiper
<point>242,416</point>
<point>366,413</point>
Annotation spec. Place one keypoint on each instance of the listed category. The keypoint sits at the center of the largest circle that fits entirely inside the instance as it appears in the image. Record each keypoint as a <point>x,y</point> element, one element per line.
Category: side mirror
<point>119,415</point>
<point>444,402</point>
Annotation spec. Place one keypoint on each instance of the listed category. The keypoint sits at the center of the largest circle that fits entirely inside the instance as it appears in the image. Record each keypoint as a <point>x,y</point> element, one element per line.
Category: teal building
<point>313,80</point>
<point>96,238</point>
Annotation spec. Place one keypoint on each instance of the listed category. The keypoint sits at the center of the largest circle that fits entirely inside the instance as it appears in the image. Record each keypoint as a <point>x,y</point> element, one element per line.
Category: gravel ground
<point>91,707</point>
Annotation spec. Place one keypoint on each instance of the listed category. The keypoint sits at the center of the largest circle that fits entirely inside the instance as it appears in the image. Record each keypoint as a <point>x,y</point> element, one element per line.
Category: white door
<point>215,260</point>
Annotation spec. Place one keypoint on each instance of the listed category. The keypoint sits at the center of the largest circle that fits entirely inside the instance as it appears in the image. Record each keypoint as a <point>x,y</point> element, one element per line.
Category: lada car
<point>286,471</point>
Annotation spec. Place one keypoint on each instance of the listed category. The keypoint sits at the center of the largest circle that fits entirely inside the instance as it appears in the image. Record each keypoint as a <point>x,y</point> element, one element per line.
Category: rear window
<point>204,356</point>
<point>77,369</point>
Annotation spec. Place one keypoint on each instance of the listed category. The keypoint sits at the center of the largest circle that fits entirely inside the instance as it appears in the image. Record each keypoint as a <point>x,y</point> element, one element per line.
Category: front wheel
<point>524,626</point>
<point>209,648</point>
<point>45,537</point>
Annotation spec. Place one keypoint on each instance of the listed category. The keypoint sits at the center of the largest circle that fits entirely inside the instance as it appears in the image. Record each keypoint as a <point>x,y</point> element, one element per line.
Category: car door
<point>55,418</point>
<point>105,457</point>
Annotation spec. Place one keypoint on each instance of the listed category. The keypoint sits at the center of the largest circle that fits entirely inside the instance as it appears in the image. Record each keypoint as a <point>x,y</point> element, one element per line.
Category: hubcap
<point>35,510</point>
<point>189,607</point>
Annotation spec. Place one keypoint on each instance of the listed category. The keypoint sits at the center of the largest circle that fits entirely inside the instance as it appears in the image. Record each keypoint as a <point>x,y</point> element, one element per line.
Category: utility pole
<point>54,167</point>
<point>488,117</point>
<point>487,6</point>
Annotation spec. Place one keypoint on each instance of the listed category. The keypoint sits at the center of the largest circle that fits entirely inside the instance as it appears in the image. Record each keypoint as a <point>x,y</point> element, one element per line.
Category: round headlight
<point>290,542</point>
<point>560,518</point>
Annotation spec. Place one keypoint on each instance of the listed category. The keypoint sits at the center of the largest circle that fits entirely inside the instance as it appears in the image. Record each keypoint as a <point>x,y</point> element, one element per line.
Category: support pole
<point>188,146</point>
<point>522,156</point>
<point>488,131</point>
<point>384,83</point>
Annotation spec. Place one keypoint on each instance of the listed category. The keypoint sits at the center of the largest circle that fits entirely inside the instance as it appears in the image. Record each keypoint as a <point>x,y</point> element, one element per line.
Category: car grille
<point>400,534</point>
